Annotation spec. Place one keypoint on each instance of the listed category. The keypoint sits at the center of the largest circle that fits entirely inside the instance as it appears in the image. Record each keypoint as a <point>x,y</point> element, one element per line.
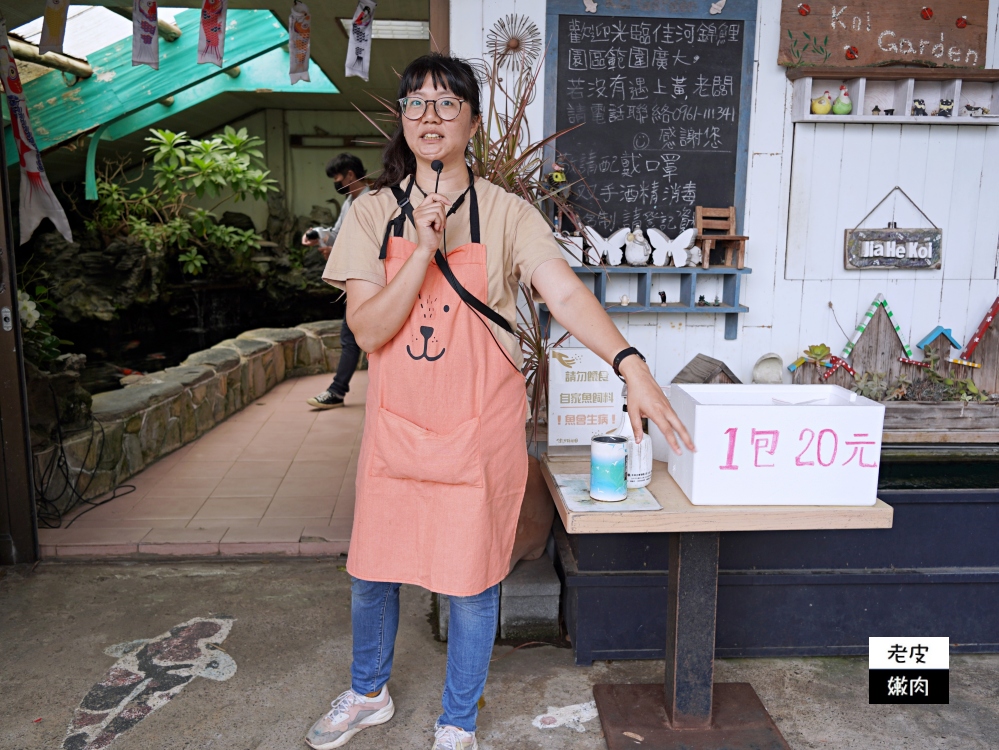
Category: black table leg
<point>691,712</point>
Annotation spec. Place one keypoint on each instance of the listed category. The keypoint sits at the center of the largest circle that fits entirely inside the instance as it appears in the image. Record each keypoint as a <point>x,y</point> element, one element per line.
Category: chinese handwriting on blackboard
<point>655,106</point>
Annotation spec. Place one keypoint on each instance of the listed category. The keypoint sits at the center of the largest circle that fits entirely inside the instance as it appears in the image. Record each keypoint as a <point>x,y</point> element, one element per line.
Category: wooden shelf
<point>896,88</point>
<point>895,74</point>
<point>731,285</point>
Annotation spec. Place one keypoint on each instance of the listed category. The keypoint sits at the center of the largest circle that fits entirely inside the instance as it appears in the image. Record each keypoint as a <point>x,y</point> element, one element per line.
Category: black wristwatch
<point>621,355</point>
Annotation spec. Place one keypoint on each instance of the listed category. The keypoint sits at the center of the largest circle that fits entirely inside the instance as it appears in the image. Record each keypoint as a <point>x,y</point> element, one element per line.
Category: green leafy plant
<point>36,311</point>
<point>226,166</point>
<point>872,385</point>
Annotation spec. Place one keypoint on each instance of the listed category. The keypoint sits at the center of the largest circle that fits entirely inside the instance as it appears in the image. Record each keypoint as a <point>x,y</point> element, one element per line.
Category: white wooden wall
<point>806,184</point>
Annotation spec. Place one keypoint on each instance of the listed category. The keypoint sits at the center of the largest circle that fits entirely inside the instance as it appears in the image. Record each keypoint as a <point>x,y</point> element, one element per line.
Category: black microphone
<point>438,166</point>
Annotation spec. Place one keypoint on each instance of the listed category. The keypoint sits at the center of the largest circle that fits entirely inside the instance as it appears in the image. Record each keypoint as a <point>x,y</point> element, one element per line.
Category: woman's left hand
<point>646,399</point>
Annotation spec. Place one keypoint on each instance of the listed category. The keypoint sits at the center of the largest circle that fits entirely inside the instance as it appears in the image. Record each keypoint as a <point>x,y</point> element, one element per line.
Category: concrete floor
<point>291,644</point>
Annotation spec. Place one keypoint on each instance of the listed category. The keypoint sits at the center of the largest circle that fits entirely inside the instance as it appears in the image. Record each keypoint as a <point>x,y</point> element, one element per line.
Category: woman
<point>443,459</point>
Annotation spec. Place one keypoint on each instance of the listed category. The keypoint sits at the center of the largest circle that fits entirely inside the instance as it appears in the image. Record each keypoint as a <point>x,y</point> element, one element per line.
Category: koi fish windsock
<point>145,38</point>
<point>211,37</point>
<point>359,45</point>
<point>37,198</point>
<point>53,26</point>
<point>299,33</point>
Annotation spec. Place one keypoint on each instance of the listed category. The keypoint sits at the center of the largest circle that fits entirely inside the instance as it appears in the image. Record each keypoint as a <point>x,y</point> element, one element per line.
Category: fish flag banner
<point>145,38</point>
<point>211,37</point>
<point>299,32</point>
<point>359,46</point>
<point>37,198</point>
<point>53,26</point>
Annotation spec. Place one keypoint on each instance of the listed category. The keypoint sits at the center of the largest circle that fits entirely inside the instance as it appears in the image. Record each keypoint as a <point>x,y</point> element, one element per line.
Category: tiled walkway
<point>276,478</point>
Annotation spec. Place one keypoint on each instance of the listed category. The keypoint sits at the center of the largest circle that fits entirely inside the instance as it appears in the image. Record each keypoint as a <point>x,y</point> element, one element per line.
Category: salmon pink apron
<point>443,460</point>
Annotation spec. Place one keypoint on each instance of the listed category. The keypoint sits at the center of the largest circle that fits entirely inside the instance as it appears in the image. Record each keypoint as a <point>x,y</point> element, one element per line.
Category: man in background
<point>347,173</point>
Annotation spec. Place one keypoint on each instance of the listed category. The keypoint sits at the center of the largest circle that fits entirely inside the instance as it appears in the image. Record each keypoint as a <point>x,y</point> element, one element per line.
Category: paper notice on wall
<point>53,26</point>
<point>37,198</point>
<point>299,33</point>
<point>145,38</point>
<point>211,37</point>
<point>359,44</point>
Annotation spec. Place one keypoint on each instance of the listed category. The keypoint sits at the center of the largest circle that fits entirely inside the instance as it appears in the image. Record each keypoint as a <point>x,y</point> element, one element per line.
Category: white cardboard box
<point>778,445</point>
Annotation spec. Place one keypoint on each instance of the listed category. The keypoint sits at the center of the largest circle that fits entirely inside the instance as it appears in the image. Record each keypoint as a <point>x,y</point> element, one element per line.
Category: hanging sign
<point>893,248</point>
<point>37,198</point>
<point>211,37</point>
<point>862,33</point>
<point>299,32</point>
<point>53,26</point>
<point>584,397</point>
<point>145,37</point>
<point>359,46</point>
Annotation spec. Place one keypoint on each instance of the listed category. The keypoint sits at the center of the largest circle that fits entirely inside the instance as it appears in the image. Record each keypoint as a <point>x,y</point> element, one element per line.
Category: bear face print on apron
<point>443,460</point>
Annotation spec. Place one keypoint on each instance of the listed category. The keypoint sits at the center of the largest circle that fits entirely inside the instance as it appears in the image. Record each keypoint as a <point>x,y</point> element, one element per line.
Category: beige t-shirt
<point>516,236</point>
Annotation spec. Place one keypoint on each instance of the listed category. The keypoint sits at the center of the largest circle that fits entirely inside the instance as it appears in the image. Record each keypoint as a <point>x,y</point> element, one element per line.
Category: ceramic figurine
<point>946,108</point>
<point>665,248</point>
<point>889,112</point>
<point>695,256</point>
<point>662,296</point>
<point>823,104</point>
<point>625,300</point>
<point>609,249</point>
<point>717,302</point>
<point>701,302</point>
<point>637,249</point>
<point>919,107</point>
<point>556,179</point>
<point>876,111</point>
<point>843,104</point>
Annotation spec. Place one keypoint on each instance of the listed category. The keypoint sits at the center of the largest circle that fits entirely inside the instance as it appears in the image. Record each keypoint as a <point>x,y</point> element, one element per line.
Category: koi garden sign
<point>893,248</point>
<point>938,33</point>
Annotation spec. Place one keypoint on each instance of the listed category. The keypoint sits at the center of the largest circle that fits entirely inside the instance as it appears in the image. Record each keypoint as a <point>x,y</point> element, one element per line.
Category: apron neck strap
<point>395,226</point>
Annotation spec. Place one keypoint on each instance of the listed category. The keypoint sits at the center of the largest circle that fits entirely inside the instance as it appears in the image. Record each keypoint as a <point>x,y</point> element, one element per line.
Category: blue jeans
<point>350,354</point>
<point>471,632</point>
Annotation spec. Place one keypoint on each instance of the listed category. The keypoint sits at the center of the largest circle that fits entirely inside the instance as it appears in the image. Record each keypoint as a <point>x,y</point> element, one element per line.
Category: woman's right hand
<point>430,219</point>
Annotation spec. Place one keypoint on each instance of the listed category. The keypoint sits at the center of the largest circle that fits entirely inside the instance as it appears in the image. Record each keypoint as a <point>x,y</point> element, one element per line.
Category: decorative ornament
<point>53,26</point>
<point>919,107</point>
<point>822,105</point>
<point>37,199</point>
<point>804,9</point>
<point>299,41</point>
<point>926,13</point>
<point>637,249</point>
<point>876,110</point>
<point>717,7</point>
<point>946,108</point>
<point>625,300</point>
<point>359,48</point>
<point>843,104</point>
<point>610,249</point>
<point>662,296</point>
<point>514,42</point>
<point>590,5</point>
<point>211,35</point>
<point>145,37</point>
<point>962,22</point>
<point>677,248</point>
<point>851,52</point>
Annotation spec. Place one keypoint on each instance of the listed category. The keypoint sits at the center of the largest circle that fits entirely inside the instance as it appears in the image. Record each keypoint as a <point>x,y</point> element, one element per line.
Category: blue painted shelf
<point>731,284</point>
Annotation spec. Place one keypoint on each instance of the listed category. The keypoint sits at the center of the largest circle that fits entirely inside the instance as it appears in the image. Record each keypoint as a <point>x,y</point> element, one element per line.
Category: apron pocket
<point>404,450</point>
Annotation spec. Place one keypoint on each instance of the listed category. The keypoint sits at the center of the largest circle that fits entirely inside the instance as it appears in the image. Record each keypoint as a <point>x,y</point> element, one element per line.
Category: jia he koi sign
<point>778,445</point>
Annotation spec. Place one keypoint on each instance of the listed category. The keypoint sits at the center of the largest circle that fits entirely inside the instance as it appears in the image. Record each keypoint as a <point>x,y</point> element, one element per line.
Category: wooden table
<point>691,711</point>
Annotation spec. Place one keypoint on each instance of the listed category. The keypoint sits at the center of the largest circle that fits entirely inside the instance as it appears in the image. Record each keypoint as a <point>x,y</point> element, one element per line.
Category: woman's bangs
<point>445,73</point>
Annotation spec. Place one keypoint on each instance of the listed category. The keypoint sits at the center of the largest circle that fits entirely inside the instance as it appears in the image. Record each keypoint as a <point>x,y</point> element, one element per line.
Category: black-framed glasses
<point>414,107</point>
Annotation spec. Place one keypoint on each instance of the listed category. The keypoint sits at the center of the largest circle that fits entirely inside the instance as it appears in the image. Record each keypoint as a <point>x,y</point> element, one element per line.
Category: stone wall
<point>158,413</point>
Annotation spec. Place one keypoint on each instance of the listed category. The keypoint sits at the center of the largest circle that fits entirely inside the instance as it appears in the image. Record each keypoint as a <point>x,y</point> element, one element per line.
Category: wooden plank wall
<point>840,173</point>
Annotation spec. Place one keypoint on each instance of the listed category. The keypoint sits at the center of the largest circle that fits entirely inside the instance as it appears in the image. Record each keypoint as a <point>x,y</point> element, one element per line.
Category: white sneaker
<point>451,738</point>
<point>349,714</point>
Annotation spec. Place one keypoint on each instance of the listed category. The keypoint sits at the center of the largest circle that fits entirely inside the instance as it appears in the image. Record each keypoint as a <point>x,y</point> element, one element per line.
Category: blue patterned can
<point>608,454</point>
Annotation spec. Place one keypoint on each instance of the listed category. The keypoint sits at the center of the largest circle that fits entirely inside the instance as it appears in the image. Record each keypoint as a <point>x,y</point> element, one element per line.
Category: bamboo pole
<point>25,52</point>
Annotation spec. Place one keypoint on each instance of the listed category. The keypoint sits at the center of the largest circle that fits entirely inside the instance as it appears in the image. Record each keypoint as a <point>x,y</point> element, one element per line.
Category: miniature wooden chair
<point>719,220</point>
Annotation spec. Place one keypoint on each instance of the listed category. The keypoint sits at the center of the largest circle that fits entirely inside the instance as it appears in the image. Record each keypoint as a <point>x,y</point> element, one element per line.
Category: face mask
<point>341,188</point>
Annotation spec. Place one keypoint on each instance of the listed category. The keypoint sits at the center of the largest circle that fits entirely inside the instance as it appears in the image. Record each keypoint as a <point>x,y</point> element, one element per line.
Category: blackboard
<point>658,102</point>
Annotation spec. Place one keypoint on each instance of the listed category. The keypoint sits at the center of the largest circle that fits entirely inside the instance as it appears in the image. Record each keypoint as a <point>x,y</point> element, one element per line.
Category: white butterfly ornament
<point>611,249</point>
<point>665,248</point>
